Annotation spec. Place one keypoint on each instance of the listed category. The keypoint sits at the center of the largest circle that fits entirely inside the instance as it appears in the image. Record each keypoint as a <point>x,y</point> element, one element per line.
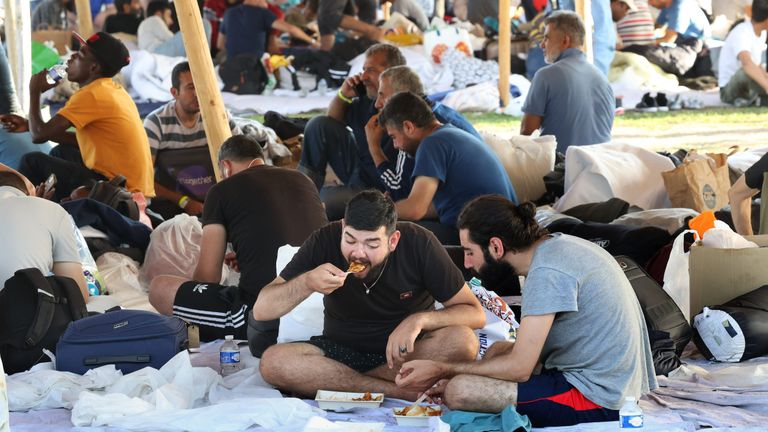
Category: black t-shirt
<point>122,23</point>
<point>417,273</point>
<point>263,208</point>
<point>754,174</point>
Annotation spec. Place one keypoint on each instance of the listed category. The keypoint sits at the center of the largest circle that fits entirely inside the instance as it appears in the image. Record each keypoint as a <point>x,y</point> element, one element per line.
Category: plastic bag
<point>91,272</point>
<point>723,237</point>
<point>677,282</point>
<point>174,249</point>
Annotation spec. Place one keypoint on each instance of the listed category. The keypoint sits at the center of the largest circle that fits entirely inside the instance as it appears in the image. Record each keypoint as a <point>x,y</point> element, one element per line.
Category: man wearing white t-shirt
<point>741,78</point>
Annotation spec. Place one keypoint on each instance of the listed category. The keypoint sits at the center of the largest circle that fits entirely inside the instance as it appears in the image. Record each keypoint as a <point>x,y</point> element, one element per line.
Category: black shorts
<point>359,361</point>
<point>549,400</point>
<point>216,309</point>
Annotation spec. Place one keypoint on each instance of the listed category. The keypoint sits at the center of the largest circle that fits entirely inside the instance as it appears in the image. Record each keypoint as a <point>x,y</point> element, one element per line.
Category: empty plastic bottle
<point>322,87</point>
<point>56,73</point>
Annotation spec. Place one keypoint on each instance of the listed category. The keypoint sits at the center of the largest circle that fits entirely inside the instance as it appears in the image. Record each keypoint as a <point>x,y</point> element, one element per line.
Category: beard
<point>494,273</point>
<point>374,271</point>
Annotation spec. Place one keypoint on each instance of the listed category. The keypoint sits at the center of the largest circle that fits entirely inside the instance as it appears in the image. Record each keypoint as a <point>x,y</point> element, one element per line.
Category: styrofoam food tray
<point>342,401</point>
<point>402,420</point>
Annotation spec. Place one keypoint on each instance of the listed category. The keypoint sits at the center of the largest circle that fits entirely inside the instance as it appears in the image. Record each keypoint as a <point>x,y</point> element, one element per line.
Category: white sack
<point>677,281</point>
<point>723,237</point>
<point>526,160</point>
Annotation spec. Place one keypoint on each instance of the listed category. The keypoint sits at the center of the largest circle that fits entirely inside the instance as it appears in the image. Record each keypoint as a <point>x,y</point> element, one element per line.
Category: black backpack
<point>34,313</point>
<point>243,74</point>
<point>114,194</point>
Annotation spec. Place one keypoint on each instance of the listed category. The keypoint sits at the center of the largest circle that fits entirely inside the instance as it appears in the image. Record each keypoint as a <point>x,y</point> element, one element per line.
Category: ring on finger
<point>403,350</point>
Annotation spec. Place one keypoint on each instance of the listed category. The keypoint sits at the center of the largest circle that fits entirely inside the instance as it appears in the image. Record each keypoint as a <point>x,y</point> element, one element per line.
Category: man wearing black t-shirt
<point>257,208</point>
<point>375,318</point>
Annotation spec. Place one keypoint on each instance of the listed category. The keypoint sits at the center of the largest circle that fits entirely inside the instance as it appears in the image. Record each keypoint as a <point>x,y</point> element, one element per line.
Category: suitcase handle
<point>97,361</point>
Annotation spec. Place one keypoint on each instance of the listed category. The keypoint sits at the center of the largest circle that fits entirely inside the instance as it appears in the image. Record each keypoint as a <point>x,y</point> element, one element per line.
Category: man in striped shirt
<point>179,148</point>
<point>634,22</point>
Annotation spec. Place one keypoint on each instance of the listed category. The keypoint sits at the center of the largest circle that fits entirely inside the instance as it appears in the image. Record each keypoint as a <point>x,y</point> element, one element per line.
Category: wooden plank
<point>84,20</point>
<point>215,120</point>
<point>505,51</point>
<point>18,27</point>
<point>584,10</point>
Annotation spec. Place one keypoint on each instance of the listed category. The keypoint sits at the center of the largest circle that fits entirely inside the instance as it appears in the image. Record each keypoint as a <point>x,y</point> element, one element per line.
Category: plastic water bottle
<point>56,73</point>
<point>229,356</point>
<point>630,414</point>
<point>322,87</point>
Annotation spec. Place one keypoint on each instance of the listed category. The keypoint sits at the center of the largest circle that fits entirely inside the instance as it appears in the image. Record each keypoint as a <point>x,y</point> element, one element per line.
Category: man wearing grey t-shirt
<point>581,322</point>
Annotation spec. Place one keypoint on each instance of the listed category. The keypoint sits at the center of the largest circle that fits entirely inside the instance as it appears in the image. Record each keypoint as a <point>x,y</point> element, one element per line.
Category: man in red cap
<point>108,133</point>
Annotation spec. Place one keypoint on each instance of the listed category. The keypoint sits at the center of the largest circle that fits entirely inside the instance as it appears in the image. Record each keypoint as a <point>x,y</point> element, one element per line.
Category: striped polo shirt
<point>165,131</point>
<point>637,27</point>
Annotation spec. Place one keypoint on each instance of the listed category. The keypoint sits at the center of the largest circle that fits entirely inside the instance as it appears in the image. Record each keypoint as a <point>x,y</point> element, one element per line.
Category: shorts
<point>216,309</point>
<point>329,14</point>
<point>359,361</point>
<point>549,400</point>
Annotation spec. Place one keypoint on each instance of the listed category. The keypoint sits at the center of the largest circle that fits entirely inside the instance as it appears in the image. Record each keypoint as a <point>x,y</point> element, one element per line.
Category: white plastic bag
<point>306,319</point>
<point>723,237</point>
<point>174,249</point>
<point>721,334</point>
<point>437,41</point>
<point>677,281</point>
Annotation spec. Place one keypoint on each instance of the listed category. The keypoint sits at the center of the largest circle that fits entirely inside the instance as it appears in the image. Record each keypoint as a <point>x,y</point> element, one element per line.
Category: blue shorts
<point>549,400</point>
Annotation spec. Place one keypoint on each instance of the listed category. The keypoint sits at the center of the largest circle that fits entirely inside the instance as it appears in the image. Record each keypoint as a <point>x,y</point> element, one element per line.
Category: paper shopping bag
<point>699,184</point>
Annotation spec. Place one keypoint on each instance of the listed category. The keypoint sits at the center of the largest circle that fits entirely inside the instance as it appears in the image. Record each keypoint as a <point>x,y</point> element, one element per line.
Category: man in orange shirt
<point>108,130</point>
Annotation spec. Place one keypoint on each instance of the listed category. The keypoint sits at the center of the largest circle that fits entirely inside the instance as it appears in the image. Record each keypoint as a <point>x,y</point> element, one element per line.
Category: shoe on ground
<point>648,104</point>
<point>662,102</point>
<point>676,104</point>
<point>693,104</point>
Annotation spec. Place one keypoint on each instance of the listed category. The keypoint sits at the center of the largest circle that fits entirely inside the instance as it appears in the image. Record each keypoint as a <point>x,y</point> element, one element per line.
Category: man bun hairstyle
<point>392,54</point>
<point>490,216</point>
<point>240,148</point>
<point>406,106</point>
<point>569,23</point>
<point>370,210</point>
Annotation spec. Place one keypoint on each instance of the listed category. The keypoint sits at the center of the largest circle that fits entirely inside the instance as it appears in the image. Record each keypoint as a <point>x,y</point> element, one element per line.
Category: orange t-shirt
<point>111,135</point>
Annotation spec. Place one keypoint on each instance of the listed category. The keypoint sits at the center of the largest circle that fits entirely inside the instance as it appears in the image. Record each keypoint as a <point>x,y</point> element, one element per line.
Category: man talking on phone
<point>328,141</point>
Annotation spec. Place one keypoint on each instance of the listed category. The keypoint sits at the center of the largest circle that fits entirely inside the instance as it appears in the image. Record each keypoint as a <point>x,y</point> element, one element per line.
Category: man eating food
<point>378,314</point>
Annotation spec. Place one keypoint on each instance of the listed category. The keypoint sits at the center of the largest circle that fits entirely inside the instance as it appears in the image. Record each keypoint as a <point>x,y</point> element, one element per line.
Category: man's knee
<point>462,341</point>
<point>30,163</point>
<point>457,392</point>
<point>320,126</point>
<point>162,292</point>
<point>276,364</point>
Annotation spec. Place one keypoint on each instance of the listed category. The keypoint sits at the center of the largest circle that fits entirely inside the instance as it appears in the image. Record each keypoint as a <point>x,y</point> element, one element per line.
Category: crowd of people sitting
<point>416,177</point>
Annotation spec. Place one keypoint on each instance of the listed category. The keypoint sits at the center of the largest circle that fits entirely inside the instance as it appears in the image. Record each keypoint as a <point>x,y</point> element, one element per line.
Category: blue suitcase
<point>129,339</point>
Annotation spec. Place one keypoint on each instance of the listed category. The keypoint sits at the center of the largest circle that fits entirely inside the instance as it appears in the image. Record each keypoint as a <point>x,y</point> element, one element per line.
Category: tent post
<point>584,10</point>
<point>505,50</point>
<point>215,119</point>
<point>440,8</point>
<point>17,35</point>
<point>84,20</point>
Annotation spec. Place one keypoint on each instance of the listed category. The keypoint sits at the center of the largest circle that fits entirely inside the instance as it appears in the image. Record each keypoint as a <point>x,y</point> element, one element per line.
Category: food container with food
<point>343,401</point>
<point>417,415</point>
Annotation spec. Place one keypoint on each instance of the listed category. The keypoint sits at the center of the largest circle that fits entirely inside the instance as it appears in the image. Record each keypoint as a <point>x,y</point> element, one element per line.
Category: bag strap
<point>46,300</point>
<point>74,297</point>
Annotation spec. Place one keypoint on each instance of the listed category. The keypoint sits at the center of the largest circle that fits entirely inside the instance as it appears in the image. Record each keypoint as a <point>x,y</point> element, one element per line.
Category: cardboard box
<point>719,275</point>
<point>61,38</point>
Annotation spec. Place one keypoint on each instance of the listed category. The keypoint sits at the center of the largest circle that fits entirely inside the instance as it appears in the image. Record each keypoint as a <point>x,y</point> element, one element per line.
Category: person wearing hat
<point>108,133</point>
<point>620,9</point>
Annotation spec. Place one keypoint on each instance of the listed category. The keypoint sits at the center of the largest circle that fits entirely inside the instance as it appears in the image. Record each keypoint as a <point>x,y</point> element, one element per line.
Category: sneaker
<point>742,102</point>
<point>693,104</point>
<point>647,104</point>
<point>676,104</point>
<point>661,101</point>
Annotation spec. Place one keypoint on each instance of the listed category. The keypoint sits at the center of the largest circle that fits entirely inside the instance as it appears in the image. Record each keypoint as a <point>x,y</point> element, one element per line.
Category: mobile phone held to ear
<point>360,90</point>
<point>49,184</point>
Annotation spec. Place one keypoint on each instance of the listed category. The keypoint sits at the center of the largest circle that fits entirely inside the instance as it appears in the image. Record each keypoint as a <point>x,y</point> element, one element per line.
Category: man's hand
<point>374,132</point>
<point>421,375</point>
<point>41,193</point>
<point>348,88</point>
<point>38,84</point>
<point>230,259</point>
<point>193,208</point>
<point>325,279</point>
<point>13,123</point>
<point>402,340</point>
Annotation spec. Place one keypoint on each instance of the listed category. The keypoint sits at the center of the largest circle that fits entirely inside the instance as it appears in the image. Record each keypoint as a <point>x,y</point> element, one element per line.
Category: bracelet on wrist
<point>183,201</point>
<point>341,96</point>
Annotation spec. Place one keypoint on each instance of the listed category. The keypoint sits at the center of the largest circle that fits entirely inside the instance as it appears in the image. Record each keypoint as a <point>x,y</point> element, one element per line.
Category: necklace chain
<point>368,288</point>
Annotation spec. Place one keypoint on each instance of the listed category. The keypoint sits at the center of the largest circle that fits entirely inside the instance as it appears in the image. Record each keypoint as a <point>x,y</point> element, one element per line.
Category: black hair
<point>759,10</point>
<point>156,6</point>
<point>406,106</point>
<point>240,148</point>
<point>8,178</point>
<point>370,210</point>
<point>175,74</point>
<point>120,3</point>
<point>495,216</point>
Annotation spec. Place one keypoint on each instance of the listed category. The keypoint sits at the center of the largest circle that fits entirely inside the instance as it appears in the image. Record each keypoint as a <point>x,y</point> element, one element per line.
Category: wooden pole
<point>584,10</point>
<point>215,120</point>
<point>84,19</point>
<point>386,9</point>
<point>505,51</point>
<point>440,8</point>
<point>18,32</point>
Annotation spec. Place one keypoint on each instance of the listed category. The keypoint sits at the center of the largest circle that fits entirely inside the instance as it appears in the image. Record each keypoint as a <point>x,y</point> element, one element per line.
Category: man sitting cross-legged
<point>375,318</point>
<point>580,319</point>
<point>258,208</point>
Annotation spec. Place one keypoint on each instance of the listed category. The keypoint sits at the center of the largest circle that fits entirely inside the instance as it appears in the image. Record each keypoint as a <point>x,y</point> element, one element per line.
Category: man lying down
<point>380,279</point>
<point>581,321</point>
